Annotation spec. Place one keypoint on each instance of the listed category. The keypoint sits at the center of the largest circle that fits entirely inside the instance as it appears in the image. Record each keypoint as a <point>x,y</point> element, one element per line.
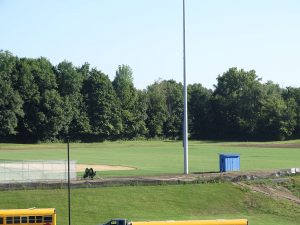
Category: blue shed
<point>229,162</point>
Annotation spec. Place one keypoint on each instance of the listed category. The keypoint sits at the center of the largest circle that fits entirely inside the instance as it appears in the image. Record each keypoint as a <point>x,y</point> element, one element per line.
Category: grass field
<point>165,202</point>
<point>160,157</point>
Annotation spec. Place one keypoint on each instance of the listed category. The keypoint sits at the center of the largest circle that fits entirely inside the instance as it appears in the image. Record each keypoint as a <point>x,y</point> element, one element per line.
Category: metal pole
<point>69,193</point>
<point>185,116</point>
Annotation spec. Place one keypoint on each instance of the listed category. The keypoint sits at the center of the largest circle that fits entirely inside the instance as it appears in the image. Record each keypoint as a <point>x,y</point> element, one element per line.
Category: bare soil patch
<point>295,145</point>
<point>274,192</point>
<point>82,167</point>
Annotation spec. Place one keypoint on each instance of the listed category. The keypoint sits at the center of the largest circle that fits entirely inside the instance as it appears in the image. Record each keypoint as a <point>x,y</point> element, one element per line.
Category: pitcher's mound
<point>82,167</point>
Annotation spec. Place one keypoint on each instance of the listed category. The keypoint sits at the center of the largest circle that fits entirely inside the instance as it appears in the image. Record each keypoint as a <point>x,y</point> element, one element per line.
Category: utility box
<point>229,162</point>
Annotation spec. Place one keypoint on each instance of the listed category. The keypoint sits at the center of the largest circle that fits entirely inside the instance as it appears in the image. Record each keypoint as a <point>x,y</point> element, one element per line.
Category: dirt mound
<point>82,167</point>
<point>274,192</point>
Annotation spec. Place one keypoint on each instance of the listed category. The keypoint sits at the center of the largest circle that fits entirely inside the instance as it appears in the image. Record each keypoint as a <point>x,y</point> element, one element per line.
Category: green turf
<point>166,202</point>
<point>158,157</point>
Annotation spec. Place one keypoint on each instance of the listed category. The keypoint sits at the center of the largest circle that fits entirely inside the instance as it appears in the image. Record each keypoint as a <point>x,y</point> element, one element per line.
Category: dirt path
<point>275,192</point>
<point>262,145</point>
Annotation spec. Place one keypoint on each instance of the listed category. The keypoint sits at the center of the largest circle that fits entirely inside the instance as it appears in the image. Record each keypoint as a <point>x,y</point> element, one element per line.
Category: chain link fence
<point>36,170</point>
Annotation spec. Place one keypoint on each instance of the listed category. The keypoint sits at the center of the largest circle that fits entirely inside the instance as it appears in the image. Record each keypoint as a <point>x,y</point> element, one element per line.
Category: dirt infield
<point>82,167</point>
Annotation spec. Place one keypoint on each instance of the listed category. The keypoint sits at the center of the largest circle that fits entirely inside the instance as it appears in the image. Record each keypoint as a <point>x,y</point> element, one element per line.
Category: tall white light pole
<point>185,116</point>
<point>69,193</point>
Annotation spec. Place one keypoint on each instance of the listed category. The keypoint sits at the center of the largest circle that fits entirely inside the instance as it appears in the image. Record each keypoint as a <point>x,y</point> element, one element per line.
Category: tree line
<point>43,102</point>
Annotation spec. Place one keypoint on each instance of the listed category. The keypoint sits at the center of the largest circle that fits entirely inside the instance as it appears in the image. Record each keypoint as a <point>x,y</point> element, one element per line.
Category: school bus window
<point>31,219</point>
<point>16,219</point>
<point>39,219</point>
<point>1,220</point>
<point>48,219</point>
<point>9,220</point>
<point>24,219</point>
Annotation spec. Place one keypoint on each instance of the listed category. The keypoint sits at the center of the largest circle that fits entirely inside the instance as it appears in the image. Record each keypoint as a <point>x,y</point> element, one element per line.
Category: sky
<point>147,35</point>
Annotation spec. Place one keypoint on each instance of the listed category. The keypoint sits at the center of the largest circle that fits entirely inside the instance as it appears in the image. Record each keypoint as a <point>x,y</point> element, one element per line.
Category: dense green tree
<point>70,82</point>
<point>52,115</point>
<point>157,111</point>
<point>10,100</point>
<point>165,109</point>
<point>10,109</point>
<point>141,108</point>
<point>69,79</point>
<point>45,114</point>
<point>40,102</point>
<point>132,123</point>
<point>277,119</point>
<point>198,109</point>
<point>236,104</point>
<point>174,103</point>
<point>8,67</point>
<point>102,106</point>
<point>293,94</point>
<point>30,94</point>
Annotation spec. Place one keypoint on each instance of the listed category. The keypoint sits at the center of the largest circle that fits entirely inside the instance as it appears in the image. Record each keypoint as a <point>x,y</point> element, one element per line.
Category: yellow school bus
<point>196,222</point>
<point>183,222</point>
<point>28,216</point>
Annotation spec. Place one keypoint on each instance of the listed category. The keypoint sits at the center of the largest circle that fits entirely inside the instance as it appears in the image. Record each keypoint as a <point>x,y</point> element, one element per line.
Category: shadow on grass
<point>208,172</point>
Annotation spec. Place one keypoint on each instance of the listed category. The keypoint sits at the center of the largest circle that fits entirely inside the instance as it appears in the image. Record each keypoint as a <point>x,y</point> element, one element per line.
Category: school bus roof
<point>196,222</point>
<point>30,211</point>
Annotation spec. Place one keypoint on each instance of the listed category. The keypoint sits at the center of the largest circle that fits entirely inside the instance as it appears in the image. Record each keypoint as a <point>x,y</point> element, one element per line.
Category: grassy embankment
<point>165,202</point>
